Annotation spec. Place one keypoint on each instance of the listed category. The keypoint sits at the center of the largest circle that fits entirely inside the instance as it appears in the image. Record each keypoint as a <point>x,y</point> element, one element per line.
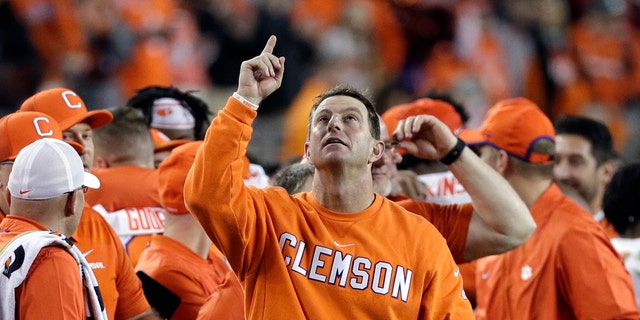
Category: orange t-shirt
<point>568,269</point>
<point>128,199</point>
<point>296,258</point>
<point>54,271</point>
<point>182,271</point>
<point>121,289</point>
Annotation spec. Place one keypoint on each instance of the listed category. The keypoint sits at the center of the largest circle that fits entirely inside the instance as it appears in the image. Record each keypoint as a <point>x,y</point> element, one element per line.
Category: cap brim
<point>91,181</point>
<point>168,145</point>
<point>97,119</point>
<point>473,137</point>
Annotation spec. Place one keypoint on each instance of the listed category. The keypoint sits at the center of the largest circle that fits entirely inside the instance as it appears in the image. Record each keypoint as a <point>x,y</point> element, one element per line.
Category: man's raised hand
<point>425,137</point>
<point>262,75</point>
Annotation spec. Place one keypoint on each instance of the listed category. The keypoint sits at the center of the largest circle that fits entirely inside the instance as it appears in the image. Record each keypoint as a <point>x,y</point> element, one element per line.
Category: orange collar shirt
<point>121,289</point>
<point>54,271</point>
<point>568,269</point>
<point>181,270</point>
<point>297,259</point>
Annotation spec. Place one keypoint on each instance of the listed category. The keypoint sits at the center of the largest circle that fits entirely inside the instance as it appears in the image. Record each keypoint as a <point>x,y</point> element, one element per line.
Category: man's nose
<point>334,123</point>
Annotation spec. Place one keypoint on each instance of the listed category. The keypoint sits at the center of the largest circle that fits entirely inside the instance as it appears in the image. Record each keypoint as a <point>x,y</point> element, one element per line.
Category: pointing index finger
<point>271,43</point>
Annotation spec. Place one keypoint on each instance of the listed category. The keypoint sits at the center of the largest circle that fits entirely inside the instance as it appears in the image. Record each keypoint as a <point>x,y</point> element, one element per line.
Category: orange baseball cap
<point>514,125</point>
<point>161,142</point>
<point>66,107</point>
<point>172,175</point>
<point>19,129</point>
<point>442,110</point>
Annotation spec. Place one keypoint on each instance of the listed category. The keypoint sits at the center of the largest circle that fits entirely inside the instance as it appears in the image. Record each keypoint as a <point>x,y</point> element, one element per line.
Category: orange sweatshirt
<point>452,221</point>
<point>296,259</point>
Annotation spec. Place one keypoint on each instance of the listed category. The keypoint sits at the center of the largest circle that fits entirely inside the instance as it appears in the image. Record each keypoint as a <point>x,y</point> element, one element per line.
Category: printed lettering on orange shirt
<point>335,267</point>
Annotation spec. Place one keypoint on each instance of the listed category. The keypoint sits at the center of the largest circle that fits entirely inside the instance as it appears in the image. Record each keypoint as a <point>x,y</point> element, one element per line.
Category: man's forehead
<point>336,103</point>
<point>573,144</point>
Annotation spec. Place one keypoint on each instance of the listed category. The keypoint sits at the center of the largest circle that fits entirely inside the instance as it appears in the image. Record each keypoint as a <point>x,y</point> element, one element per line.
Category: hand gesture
<point>425,137</point>
<point>261,75</point>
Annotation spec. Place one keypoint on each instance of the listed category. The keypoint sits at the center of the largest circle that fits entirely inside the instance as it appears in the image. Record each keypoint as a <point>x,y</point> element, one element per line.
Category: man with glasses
<point>39,261</point>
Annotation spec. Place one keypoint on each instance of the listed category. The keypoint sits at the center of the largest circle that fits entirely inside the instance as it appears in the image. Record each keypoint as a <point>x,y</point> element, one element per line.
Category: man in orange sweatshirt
<point>340,251</point>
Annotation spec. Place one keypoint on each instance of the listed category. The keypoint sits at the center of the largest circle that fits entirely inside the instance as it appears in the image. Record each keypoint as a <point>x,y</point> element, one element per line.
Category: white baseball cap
<point>48,168</point>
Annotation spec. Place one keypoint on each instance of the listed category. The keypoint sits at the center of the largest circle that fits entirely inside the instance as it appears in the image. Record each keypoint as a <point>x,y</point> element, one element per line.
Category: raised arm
<point>214,189</point>
<point>500,221</point>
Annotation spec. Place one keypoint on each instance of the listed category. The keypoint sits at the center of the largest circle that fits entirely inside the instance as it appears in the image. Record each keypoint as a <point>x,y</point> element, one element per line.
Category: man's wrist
<point>454,153</point>
<point>245,101</point>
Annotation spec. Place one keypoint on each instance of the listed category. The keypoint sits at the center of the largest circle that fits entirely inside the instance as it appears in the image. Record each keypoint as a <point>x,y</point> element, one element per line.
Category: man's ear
<point>607,170</point>
<point>377,151</point>
<point>502,161</point>
<point>307,153</point>
<point>70,205</point>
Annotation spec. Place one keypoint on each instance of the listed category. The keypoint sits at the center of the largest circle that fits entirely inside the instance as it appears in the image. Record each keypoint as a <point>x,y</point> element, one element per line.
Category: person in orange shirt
<point>128,198</point>
<point>306,254</point>
<point>568,256</point>
<point>177,259</point>
<point>47,186</point>
<point>585,161</point>
<point>120,287</point>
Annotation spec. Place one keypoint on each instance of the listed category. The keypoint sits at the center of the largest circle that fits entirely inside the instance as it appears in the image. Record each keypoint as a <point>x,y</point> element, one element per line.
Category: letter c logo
<point>65,97</point>
<point>41,129</point>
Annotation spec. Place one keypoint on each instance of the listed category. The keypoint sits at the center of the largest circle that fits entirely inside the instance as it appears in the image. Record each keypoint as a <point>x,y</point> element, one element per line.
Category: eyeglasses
<point>83,188</point>
<point>6,162</point>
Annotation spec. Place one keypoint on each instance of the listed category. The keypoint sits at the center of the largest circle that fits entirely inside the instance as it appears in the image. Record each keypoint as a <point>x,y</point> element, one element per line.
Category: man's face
<point>575,165</point>
<point>82,134</point>
<point>385,169</point>
<point>340,134</point>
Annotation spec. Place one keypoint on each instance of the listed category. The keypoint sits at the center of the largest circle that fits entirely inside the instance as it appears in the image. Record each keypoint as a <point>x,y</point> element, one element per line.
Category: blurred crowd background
<point>569,57</point>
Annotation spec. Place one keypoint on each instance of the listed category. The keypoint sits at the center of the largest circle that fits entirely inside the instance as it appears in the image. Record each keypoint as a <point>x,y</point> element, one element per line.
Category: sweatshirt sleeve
<point>215,192</point>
